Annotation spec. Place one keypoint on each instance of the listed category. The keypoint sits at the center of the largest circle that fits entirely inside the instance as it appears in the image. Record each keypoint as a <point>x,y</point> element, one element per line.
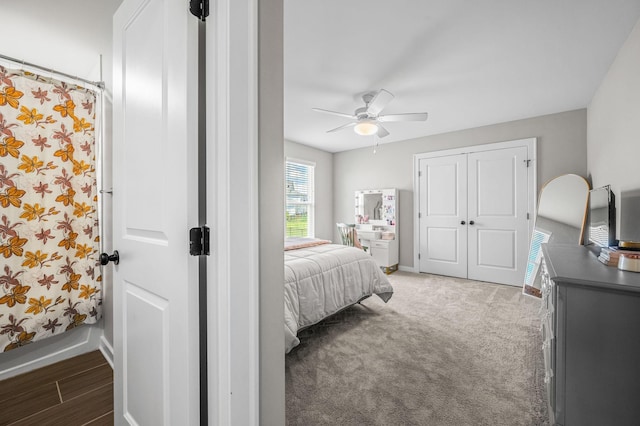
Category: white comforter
<point>322,280</point>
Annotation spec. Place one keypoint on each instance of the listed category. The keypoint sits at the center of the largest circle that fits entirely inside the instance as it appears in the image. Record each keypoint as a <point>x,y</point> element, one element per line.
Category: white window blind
<point>299,199</point>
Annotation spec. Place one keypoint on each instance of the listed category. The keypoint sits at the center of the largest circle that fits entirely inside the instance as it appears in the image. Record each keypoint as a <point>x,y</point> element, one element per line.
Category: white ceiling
<point>466,63</point>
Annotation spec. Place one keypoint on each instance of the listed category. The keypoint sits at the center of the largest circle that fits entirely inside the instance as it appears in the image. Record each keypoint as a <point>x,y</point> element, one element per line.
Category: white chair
<point>348,235</point>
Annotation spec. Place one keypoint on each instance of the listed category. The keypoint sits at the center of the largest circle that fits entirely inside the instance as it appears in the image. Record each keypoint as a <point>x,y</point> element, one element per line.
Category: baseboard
<point>407,269</point>
<point>107,350</point>
<point>49,351</point>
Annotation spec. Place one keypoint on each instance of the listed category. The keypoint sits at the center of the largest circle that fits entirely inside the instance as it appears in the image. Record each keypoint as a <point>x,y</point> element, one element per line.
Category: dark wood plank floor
<point>76,391</point>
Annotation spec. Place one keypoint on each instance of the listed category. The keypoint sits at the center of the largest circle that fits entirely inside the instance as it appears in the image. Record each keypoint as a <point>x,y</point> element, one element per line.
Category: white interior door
<point>497,215</point>
<point>155,204</point>
<point>443,215</point>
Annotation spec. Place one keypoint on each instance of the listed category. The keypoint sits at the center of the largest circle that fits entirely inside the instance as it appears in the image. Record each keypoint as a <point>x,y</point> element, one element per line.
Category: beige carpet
<point>443,351</point>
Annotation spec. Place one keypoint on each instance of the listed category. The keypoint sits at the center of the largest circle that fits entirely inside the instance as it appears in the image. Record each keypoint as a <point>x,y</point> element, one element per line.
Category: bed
<point>322,279</point>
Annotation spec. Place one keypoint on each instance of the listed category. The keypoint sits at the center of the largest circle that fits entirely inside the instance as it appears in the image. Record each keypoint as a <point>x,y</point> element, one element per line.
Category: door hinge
<point>420,173</point>
<point>419,215</point>
<point>418,255</point>
<point>527,162</point>
<point>527,216</point>
<point>199,8</point>
<point>199,241</point>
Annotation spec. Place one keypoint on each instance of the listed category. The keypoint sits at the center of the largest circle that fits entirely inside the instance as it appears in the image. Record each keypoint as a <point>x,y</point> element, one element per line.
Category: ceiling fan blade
<point>340,114</point>
<point>344,126</point>
<point>379,101</point>
<point>410,116</point>
<point>382,132</point>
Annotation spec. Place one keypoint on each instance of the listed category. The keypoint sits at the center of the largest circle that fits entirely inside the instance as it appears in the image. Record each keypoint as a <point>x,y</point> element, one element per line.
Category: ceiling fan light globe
<point>366,128</point>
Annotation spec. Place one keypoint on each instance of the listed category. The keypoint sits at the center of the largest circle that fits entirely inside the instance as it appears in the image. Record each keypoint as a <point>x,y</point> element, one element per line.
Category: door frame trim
<point>232,209</point>
<point>532,199</point>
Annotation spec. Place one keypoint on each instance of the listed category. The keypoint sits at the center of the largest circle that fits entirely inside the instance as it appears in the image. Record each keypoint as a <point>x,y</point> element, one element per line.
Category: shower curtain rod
<point>98,84</point>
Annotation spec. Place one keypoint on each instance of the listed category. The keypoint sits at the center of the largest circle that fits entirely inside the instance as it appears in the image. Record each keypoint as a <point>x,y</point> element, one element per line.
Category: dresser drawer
<point>546,288</point>
<point>548,331</point>
<point>380,244</point>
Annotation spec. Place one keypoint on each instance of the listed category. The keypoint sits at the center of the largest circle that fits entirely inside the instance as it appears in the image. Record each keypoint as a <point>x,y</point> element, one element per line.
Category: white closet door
<point>497,213</point>
<point>443,215</point>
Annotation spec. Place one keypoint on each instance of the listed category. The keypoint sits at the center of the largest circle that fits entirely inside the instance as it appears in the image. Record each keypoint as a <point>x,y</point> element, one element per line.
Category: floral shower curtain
<point>50,278</point>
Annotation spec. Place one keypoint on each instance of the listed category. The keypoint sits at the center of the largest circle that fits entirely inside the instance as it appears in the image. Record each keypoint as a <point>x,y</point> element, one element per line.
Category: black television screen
<point>602,216</point>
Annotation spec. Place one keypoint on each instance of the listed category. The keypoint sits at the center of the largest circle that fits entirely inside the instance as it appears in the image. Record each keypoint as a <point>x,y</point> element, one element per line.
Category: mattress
<point>324,279</point>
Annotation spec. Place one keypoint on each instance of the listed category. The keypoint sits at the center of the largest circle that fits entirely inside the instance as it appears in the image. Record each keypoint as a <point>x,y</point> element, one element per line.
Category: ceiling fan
<point>367,119</point>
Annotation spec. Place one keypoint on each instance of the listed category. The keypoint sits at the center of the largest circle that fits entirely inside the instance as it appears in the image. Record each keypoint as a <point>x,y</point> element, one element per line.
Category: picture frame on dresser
<point>602,217</point>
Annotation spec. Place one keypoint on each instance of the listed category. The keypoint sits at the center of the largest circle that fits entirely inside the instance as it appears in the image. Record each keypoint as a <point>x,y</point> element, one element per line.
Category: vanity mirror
<point>560,219</point>
<point>372,205</point>
<point>376,207</point>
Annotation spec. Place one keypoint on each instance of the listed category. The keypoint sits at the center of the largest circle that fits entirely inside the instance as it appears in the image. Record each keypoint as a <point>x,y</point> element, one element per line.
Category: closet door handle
<point>462,222</point>
<point>471,222</point>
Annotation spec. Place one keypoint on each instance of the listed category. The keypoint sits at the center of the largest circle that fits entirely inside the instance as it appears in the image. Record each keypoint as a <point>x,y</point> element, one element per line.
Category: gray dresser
<point>591,332</point>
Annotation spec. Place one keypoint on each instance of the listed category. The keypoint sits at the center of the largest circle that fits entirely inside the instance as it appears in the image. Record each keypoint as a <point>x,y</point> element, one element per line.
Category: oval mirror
<point>560,219</point>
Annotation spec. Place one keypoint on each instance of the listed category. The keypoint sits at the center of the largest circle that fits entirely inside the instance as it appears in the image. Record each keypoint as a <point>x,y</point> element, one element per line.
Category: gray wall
<point>613,132</point>
<point>324,223</point>
<point>562,148</point>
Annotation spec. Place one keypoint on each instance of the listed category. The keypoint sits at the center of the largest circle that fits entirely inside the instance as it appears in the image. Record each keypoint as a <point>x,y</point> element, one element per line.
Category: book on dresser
<point>611,255</point>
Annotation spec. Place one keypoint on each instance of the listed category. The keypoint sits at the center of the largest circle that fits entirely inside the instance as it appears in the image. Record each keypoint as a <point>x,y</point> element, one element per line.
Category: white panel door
<point>155,204</point>
<point>497,215</point>
<point>443,215</point>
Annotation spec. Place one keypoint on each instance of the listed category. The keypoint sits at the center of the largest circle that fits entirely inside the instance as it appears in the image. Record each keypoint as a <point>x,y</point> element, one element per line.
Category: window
<point>299,198</point>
